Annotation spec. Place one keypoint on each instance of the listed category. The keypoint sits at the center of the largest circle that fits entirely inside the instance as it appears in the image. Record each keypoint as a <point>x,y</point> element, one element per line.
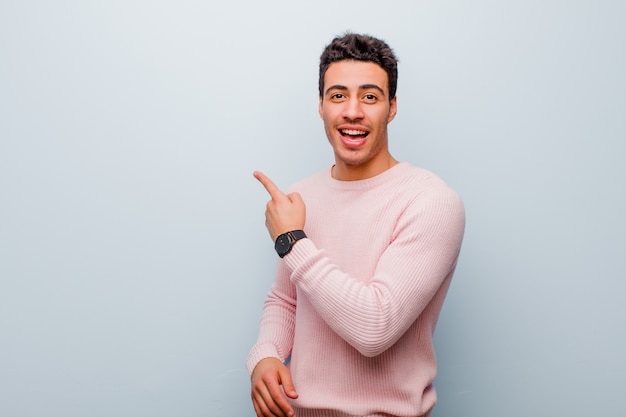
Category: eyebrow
<point>361,87</point>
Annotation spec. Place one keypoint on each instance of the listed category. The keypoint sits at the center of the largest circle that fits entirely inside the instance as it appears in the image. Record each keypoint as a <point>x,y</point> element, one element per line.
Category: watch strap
<point>297,235</point>
<point>285,241</point>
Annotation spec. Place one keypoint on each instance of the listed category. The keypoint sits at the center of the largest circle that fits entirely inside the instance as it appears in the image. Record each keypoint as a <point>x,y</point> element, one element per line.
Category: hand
<point>268,398</point>
<point>284,212</point>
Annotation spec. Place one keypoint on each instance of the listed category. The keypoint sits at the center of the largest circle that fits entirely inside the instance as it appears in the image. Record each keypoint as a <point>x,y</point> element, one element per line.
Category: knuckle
<point>267,379</point>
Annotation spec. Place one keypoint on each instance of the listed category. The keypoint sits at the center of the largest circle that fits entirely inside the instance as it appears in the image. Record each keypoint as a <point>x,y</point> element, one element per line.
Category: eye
<point>337,97</point>
<point>370,98</point>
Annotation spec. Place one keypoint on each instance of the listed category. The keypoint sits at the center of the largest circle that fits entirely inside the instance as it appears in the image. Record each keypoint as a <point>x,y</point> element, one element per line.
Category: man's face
<point>356,109</point>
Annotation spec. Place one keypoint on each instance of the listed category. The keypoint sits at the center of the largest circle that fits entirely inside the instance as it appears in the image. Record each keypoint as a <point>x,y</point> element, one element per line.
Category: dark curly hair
<point>357,47</point>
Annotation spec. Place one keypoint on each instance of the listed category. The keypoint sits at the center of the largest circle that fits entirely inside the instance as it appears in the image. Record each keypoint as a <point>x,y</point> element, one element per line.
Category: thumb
<point>287,383</point>
<point>295,198</point>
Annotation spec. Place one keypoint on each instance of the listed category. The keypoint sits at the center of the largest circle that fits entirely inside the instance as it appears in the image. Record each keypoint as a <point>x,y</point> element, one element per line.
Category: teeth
<point>352,132</point>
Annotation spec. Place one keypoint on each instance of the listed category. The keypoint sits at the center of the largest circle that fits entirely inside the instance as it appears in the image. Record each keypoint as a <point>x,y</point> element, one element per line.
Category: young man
<point>365,263</point>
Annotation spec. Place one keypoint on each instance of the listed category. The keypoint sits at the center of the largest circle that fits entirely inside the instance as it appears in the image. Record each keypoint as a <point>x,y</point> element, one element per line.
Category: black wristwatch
<point>285,242</point>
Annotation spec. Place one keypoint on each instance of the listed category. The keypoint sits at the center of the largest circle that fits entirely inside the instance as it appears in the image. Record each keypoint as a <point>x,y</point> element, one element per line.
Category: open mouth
<point>353,133</point>
<point>353,138</point>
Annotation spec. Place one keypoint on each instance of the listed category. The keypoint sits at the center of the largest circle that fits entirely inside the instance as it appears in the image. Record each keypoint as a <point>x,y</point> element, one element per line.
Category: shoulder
<point>311,182</point>
<point>427,194</point>
<point>430,208</point>
<point>422,183</point>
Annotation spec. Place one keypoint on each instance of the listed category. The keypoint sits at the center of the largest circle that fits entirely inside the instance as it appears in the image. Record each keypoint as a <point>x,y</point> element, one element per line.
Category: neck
<point>342,171</point>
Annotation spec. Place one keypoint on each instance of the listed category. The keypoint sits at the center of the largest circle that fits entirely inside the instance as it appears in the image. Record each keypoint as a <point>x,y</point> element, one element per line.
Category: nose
<point>352,109</point>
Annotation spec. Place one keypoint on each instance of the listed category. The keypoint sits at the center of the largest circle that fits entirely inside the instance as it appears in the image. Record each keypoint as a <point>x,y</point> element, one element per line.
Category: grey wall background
<point>133,256</point>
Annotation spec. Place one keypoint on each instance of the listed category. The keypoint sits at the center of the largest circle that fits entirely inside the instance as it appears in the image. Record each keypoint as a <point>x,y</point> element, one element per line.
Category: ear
<point>319,109</point>
<point>393,108</point>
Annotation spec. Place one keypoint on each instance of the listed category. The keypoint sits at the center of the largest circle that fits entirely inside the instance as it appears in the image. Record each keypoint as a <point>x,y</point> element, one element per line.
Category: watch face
<point>282,244</point>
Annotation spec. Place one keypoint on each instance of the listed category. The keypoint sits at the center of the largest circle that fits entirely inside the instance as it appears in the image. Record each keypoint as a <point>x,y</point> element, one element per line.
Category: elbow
<point>374,338</point>
<point>372,348</point>
<point>371,353</point>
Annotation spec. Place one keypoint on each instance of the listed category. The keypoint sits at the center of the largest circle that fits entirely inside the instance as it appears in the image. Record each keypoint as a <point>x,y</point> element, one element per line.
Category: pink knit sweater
<point>355,304</point>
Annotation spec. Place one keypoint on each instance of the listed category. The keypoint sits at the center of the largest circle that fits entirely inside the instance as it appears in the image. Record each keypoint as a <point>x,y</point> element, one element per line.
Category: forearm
<point>370,317</point>
<point>372,312</point>
<point>276,328</point>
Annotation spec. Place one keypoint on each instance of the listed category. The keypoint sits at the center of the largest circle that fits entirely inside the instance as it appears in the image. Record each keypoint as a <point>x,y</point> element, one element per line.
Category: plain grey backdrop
<point>134,260</point>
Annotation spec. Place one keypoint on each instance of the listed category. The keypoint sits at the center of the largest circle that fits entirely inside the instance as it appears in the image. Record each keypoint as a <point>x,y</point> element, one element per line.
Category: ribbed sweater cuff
<point>258,352</point>
<point>301,253</point>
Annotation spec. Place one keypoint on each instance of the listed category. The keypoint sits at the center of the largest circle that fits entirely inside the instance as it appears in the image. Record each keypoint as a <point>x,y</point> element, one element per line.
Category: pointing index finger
<point>271,188</point>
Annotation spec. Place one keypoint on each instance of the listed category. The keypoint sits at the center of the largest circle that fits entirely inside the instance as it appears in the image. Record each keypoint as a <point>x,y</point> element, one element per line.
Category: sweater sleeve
<point>276,329</point>
<point>372,313</point>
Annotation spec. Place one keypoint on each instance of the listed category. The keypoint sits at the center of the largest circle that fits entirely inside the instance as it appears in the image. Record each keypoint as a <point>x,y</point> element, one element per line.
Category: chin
<point>351,160</point>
